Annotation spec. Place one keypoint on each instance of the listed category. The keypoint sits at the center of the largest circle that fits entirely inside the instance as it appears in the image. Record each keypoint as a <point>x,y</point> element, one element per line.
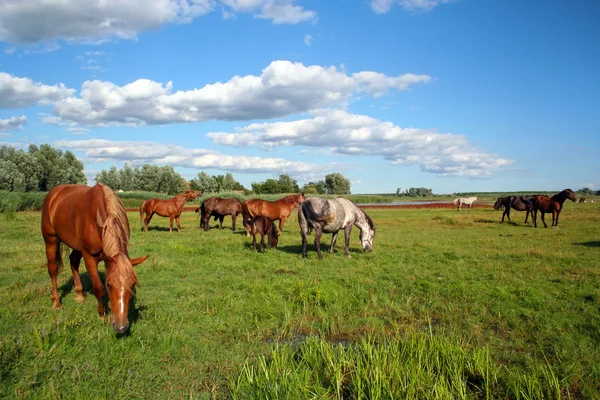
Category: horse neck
<point>115,228</point>
<point>180,200</point>
<point>560,197</point>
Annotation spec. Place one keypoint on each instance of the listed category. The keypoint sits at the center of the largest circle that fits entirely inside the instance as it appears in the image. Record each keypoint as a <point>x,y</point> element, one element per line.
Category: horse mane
<point>369,220</point>
<point>115,236</point>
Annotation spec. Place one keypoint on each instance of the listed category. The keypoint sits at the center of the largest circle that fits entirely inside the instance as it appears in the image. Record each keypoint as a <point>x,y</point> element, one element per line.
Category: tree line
<point>38,169</point>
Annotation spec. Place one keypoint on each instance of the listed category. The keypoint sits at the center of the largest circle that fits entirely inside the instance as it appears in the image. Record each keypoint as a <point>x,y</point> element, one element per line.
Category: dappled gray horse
<point>330,216</point>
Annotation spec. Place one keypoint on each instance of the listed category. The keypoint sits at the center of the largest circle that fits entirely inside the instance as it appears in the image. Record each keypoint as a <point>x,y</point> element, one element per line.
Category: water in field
<point>405,203</point>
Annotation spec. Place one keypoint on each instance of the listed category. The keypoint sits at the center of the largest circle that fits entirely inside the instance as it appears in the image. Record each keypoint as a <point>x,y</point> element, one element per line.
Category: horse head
<point>498,203</point>
<point>367,235</point>
<point>120,285</point>
<point>570,195</point>
<point>192,194</point>
<point>299,198</point>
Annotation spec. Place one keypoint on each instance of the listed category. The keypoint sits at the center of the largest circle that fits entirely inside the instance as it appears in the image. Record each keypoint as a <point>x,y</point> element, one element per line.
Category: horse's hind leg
<point>177,219</point>
<point>147,220</point>
<point>75,259</point>
<point>233,218</point>
<point>54,261</point>
<point>318,234</point>
<point>333,239</point>
<point>221,218</point>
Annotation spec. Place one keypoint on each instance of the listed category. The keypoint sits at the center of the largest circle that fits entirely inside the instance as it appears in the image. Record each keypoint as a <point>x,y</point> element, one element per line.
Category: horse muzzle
<point>120,327</point>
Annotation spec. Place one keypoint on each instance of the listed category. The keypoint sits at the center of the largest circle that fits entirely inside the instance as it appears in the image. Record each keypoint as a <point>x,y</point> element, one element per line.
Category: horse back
<point>71,213</point>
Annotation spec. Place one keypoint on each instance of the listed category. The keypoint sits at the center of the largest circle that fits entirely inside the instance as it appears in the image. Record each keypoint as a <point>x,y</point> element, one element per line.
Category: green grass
<point>448,305</point>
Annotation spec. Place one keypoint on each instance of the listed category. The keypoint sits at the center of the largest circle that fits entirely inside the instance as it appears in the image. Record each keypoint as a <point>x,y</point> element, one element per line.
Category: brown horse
<point>219,208</point>
<point>553,204</point>
<point>171,208</point>
<point>264,226</point>
<point>275,210</point>
<point>92,222</point>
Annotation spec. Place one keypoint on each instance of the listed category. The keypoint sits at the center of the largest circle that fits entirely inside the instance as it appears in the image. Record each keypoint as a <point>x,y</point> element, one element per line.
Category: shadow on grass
<point>594,243</point>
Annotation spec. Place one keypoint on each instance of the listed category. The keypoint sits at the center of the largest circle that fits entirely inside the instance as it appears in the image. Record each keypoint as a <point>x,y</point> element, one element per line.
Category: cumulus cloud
<point>34,21</point>
<point>282,89</point>
<point>383,6</point>
<point>176,155</point>
<point>350,134</point>
<point>12,124</point>
<point>23,92</point>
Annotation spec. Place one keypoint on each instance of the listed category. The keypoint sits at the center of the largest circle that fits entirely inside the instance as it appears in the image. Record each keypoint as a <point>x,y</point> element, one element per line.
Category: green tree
<point>205,183</point>
<point>109,178</point>
<point>127,178</point>
<point>11,178</point>
<point>228,183</point>
<point>336,183</point>
<point>314,187</point>
<point>57,168</point>
<point>287,184</point>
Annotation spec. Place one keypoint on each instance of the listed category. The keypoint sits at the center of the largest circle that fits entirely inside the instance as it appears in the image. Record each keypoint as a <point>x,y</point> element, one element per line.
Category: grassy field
<point>448,305</point>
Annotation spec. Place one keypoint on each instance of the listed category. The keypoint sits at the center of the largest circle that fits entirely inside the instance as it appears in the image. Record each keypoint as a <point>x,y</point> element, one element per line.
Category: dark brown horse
<point>92,222</point>
<point>275,210</point>
<point>553,204</point>
<point>219,208</point>
<point>263,226</point>
<point>171,208</point>
<point>519,203</point>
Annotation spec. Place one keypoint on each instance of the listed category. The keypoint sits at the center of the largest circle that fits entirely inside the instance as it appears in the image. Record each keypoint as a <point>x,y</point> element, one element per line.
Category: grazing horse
<point>219,208</point>
<point>582,199</point>
<point>171,208</point>
<point>464,200</point>
<point>553,204</point>
<point>264,226</point>
<point>92,222</point>
<point>519,203</point>
<point>498,204</point>
<point>276,210</point>
<point>330,216</point>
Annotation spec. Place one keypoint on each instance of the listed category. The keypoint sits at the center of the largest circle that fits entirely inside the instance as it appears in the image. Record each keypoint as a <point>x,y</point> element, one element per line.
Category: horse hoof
<point>79,298</point>
<point>57,307</point>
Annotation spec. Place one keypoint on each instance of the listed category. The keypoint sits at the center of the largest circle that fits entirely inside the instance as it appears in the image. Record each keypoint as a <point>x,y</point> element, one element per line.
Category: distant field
<point>448,305</point>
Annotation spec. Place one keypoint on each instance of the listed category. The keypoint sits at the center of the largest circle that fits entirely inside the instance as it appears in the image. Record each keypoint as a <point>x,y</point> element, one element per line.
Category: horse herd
<point>92,221</point>
<point>534,203</point>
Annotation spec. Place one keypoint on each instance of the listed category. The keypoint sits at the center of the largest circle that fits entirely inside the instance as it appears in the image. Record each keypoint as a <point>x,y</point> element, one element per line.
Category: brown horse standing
<point>275,210</point>
<point>264,226</point>
<point>219,208</point>
<point>92,222</point>
<point>171,208</point>
<point>552,204</point>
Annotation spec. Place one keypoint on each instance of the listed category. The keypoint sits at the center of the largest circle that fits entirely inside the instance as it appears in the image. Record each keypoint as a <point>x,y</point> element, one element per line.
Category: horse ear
<point>137,261</point>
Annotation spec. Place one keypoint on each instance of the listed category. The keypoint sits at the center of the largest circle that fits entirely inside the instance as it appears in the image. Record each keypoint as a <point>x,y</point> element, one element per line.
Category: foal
<point>263,226</point>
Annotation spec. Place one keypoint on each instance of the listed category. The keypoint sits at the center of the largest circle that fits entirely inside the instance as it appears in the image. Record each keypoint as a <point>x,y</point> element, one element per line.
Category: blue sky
<point>456,96</point>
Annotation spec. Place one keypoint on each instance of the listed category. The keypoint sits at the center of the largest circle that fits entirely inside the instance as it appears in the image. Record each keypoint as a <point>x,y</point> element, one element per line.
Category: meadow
<point>448,305</point>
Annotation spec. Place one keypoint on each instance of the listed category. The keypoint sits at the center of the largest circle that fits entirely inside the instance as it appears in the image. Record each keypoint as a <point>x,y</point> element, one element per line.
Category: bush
<point>11,202</point>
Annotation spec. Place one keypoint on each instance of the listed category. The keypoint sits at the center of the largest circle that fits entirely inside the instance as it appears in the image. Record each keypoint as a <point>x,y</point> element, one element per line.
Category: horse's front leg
<point>333,239</point>
<point>91,264</point>
<point>543,220</point>
<point>557,214</point>
<point>53,256</point>
<point>178,219</point>
<point>347,232</point>
<point>75,259</point>
<point>221,219</point>
<point>233,218</point>
<point>171,218</point>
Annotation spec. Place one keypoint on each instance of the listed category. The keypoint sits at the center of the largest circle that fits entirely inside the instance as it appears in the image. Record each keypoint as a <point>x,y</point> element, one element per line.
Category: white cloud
<point>350,134</point>
<point>282,89</point>
<point>383,6</point>
<point>77,131</point>
<point>34,21</point>
<point>13,123</point>
<point>23,92</point>
<point>176,155</point>
<point>308,39</point>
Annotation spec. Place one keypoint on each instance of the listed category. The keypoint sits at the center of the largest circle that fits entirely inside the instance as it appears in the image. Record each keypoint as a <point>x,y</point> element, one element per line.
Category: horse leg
<point>281,224</point>
<point>91,264</point>
<point>75,259</point>
<point>221,218</point>
<point>543,213</point>
<point>333,239</point>
<point>347,231</point>
<point>54,260</point>
<point>253,240</point>
<point>147,220</point>
<point>233,218</point>
<point>555,224</point>
<point>262,242</point>
<point>171,217</point>
<point>318,234</point>
<point>177,219</point>
<point>527,215</point>
<point>303,235</point>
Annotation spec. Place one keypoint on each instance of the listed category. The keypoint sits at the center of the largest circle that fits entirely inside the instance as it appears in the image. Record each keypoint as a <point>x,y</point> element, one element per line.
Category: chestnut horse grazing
<point>264,226</point>
<point>275,210</point>
<point>553,204</point>
<point>219,208</point>
<point>171,208</point>
<point>92,222</point>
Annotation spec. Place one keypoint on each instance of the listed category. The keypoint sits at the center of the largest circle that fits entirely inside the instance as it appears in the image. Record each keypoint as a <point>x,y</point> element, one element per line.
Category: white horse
<point>464,200</point>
